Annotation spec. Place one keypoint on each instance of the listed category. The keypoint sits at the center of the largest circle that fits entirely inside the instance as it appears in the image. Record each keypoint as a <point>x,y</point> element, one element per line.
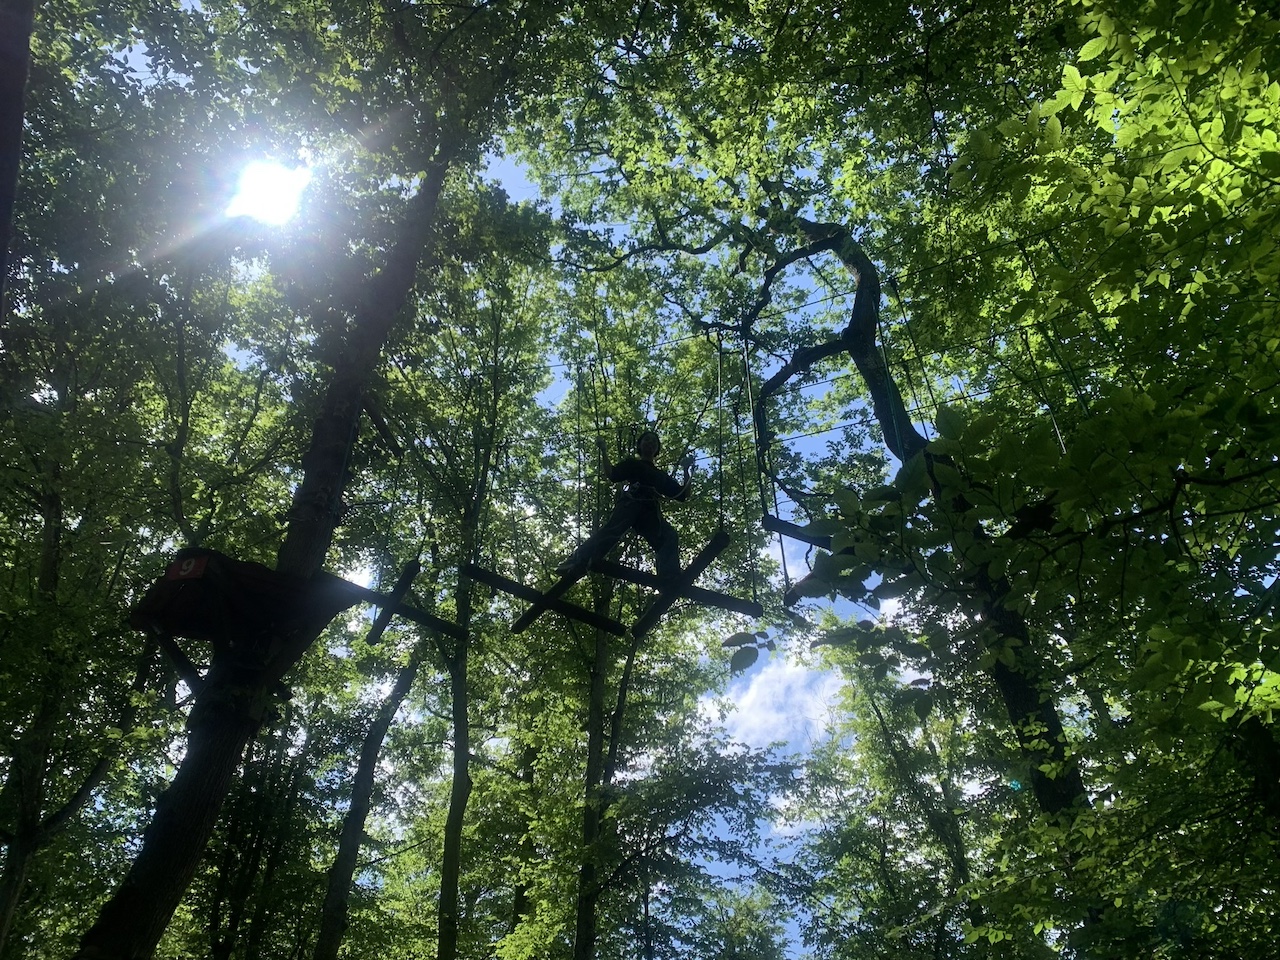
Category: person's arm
<point>686,480</point>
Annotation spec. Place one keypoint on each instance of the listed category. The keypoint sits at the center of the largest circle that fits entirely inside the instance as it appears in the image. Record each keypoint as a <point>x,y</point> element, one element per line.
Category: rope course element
<point>670,589</point>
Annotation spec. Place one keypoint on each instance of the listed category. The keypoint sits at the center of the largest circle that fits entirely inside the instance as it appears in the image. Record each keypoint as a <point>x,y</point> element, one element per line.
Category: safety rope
<point>720,420</point>
<point>742,477</point>
<point>577,405</point>
<point>762,463</point>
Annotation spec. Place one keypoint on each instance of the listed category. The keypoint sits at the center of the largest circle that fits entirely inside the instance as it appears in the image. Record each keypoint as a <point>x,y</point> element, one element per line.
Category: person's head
<point>648,445</point>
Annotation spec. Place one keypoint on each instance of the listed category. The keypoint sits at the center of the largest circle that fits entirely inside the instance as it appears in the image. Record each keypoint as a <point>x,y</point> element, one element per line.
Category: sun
<point>269,192</point>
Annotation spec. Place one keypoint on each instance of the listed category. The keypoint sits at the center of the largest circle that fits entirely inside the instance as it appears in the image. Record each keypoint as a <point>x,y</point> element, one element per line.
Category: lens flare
<point>269,192</point>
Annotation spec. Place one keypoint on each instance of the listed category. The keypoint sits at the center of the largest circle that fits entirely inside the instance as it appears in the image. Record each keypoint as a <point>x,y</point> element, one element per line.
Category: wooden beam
<point>541,602</point>
<point>710,598</point>
<point>387,610</point>
<point>662,603</point>
<point>420,617</point>
<point>795,531</point>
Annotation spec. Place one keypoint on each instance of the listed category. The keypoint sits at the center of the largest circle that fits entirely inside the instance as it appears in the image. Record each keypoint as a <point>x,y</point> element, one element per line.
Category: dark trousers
<point>645,518</point>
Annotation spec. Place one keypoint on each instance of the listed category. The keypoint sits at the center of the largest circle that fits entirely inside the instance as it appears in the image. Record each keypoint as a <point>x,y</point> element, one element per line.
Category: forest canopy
<point>965,315</point>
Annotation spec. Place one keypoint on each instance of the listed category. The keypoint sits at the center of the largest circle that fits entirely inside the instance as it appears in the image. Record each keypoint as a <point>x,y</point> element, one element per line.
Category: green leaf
<point>923,705</point>
<point>1093,49</point>
<point>743,658</point>
<point>950,423</point>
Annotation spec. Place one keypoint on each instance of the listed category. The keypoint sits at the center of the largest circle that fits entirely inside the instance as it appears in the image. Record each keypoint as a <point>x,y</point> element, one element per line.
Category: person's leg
<point>602,540</point>
<point>662,537</point>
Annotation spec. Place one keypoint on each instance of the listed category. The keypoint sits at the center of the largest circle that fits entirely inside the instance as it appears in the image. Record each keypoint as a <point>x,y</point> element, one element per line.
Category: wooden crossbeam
<point>541,602</point>
<point>662,603</point>
<point>401,609</point>
<point>795,531</point>
<point>710,598</point>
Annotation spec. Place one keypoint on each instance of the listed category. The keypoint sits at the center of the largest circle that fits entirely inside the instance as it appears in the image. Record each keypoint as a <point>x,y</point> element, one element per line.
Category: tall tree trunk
<point>24,792</point>
<point>17,17</point>
<point>456,658</point>
<point>333,913</point>
<point>133,920</point>
<point>236,694</point>
<point>25,789</point>
<point>1032,711</point>
<point>26,781</point>
<point>18,858</point>
<point>520,894</point>
<point>584,940</point>
<point>251,837</point>
<point>279,842</point>
<point>459,795</point>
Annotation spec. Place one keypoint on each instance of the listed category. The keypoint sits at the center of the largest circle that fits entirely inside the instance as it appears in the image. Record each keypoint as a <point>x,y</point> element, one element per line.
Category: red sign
<point>189,568</point>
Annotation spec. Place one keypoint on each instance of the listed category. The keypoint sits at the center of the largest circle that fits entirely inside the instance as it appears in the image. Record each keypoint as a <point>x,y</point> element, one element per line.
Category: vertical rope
<point>577,405</point>
<point>924,374</point>
<point>720,419</point>
<point>762,454</point>
<point>742,477</point>
<point>1043,389</point>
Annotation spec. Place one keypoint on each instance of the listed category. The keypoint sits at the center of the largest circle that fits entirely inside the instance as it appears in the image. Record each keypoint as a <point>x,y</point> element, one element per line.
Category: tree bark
<point>520,901</point>
<point>459,795</point>
<point>259,923</point>
<point>599,776</point>
<point>17,17</point>
<point>1031,709</point>
<point>584,939</point>
<point>26,784</point>
<point>473,504</point>
<point>134,919</point>
<point>333,913</point>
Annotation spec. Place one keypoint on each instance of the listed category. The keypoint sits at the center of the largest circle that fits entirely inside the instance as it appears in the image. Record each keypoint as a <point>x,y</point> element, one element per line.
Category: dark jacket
<point>645,481</point>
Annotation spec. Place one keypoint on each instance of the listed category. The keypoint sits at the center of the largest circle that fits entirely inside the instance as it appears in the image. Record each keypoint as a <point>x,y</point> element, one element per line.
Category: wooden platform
<point>541,602</point>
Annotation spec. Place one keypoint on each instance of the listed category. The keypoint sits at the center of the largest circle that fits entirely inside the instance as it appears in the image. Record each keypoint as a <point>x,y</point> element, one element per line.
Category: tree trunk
<point>25,785</point>
<point>279,842</point>
<point>456,661</point>
<point>1033,714</point>
<point>584,940</point>
<point>134,919</point>
<point>520,895</point>
<point>459,795</point>
<point>16,20</point>
<point>26,780</point>
<point>230,709</point>
<point>23,792</point>
<point>333,914</point>
<point>1032,711</point>
<point>17,864</point>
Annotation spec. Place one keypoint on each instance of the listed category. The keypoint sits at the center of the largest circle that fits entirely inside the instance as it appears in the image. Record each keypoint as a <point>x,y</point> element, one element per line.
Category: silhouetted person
<point>638,507</point>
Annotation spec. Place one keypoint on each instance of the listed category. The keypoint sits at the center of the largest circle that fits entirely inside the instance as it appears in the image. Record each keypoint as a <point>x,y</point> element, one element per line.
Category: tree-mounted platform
<point>206,595</point>
<point>541,602</point>
<point>795,531</point>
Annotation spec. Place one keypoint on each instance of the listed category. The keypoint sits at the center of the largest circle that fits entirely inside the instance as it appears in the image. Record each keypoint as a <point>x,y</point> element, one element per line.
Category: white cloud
<point>782,701</point>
